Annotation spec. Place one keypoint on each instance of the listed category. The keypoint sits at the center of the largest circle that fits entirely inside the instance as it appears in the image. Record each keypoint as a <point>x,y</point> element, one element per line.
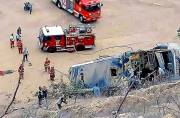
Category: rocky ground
<point>153,102</point>
<point>159,101</point>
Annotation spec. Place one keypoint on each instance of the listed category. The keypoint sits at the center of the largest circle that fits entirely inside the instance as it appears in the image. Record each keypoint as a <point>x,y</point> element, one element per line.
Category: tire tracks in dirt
<point>115,29</point>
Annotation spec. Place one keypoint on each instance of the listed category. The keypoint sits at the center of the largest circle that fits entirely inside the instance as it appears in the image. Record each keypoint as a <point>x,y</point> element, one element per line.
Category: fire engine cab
<point>77,37</point>
<point>85,10</point>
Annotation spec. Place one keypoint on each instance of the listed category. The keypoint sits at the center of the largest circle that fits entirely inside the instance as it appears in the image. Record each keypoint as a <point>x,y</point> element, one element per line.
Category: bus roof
<point>96,61</point>
<point>54,30</point>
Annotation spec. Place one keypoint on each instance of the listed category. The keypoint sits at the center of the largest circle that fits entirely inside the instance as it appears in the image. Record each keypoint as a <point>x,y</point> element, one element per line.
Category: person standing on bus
<point>160,72</point>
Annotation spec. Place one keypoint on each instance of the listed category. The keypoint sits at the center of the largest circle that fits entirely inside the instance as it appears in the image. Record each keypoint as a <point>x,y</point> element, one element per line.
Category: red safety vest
<point>52,72</point>
<point>21,69</point>
<point>47,62</point>
<point>19,43</point>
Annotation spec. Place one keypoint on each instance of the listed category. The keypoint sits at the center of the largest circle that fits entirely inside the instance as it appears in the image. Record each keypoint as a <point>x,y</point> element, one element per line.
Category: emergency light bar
<point>82,26</point>
<point>46,29</point>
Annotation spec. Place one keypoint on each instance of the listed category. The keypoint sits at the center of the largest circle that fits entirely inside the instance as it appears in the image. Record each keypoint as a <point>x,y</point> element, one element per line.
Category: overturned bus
<point>109,71</point>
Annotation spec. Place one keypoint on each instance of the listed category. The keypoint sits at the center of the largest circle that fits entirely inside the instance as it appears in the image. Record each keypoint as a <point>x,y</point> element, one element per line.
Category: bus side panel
<point>99,72</point>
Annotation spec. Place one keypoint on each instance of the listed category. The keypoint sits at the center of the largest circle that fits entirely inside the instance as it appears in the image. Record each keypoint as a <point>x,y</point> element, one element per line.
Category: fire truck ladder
<point>82,26</point>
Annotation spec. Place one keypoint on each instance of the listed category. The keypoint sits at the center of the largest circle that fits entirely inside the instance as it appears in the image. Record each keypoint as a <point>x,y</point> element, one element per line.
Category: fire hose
<point>124,99</point>
<point>102,50</point>
<point>127,45</point>
<point>62,73</point>
<point>12,99</point>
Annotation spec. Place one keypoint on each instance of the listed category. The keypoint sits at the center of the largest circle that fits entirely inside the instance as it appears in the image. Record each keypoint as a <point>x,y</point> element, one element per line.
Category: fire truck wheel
<point>80,48</point>
<point>81,19</point>
<point>51,50</point>
<point>58,4</point>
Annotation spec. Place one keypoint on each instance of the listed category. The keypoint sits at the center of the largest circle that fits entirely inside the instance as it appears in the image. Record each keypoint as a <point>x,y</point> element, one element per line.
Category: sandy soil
<point>122,22</point>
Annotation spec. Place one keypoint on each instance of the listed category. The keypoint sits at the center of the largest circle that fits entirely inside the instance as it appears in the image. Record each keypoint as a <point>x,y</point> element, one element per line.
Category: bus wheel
<point>51,50</point>
<point>80,48</point>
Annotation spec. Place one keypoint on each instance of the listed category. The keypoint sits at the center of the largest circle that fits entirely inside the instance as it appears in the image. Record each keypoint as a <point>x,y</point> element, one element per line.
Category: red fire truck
<point>77,37</point>
<point>85,10</point>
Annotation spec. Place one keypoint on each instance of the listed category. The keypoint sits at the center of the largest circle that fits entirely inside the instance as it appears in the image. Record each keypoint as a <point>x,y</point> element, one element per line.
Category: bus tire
<point>80,48</point>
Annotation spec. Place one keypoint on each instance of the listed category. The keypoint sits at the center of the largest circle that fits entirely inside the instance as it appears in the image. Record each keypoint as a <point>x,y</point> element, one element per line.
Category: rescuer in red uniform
<point>20,46</point>
<point>52,73</point>
<point>47,65</point>
<point>21,71</point>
